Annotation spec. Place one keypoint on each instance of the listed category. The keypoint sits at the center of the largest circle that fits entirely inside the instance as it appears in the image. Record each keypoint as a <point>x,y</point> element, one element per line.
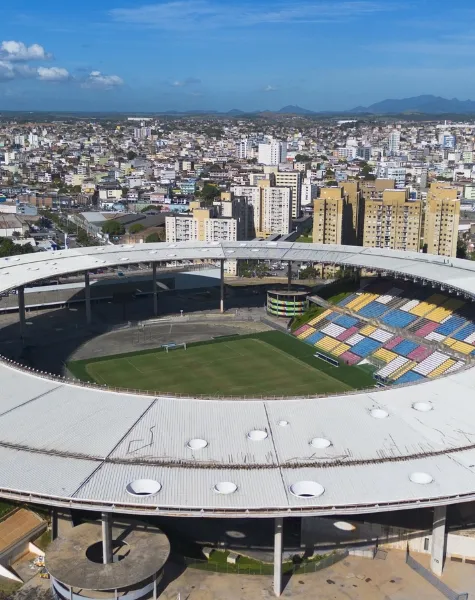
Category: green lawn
<point>270,363</point>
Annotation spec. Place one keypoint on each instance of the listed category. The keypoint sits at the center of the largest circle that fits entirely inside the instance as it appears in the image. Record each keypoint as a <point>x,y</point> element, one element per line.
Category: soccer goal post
<point>173,346</point>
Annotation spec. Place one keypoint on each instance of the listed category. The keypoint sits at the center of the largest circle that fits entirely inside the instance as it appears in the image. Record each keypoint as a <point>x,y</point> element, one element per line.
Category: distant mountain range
<point>425,105</point>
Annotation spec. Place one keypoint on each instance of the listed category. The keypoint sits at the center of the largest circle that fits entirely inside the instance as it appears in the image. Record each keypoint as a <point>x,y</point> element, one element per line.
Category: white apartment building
<point>394,141</point>
<point>272,153</point>
<point>188,229</point>
<point>253,196</point>
<point>308,194</point>
<point>242,149</point>
<point>276,210</point>
<point>393,172</point>
<point>292,180</point>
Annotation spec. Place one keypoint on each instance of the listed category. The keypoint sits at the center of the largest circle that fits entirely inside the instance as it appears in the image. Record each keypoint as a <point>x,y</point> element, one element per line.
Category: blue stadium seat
<point>346,300</point>
<point>398,318</point>
<point>465,332</point>
<point>450,325</point>
<point>405,347</point>
<point>314,338</point>
<point>373,309</point>
<point>365,347</point>
<point>346,321</point>
<point>410,377</point>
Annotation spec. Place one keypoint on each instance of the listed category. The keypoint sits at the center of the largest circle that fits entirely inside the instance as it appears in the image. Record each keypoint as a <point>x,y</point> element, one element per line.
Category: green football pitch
<point>265,364</point>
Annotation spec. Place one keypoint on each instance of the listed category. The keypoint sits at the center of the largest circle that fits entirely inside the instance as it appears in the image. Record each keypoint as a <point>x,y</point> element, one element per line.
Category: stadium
<point>308,444</point>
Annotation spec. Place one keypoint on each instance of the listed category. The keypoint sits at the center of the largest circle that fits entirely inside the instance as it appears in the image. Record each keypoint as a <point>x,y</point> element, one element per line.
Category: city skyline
<point>204,55</point>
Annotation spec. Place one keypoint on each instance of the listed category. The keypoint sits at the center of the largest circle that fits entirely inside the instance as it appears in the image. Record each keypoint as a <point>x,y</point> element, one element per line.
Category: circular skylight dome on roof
<point>379,413</point>
<point>172,246</point>
<point>171,254</point>
<point>124,258</point>
<point>307,489</point>
<point>243,245</point>
<point>283,423</point>
<point>423,406</point>
<point>225,487</point>
<point>197,444</point>
<point>257,435</point>
<point>153,252</point>
<point>229,251</point>
<point>320,443</point>
<point>272,243</point>
<point>143,487</point>
<point>344,526</point>
<point>204,249</point>
<point>421,478</point>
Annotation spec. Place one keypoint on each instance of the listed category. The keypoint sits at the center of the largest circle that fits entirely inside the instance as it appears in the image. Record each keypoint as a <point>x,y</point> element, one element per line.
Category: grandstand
<point>362,327</point>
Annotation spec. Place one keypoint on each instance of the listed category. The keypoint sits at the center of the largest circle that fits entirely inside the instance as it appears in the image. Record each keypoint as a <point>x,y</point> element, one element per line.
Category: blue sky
<point>222,54</point>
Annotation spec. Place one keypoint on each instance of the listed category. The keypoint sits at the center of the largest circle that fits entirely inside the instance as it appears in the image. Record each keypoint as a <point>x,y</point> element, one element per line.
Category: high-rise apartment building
<point>242,149</point>
<point>353,213</point>
<point>203,227</point>
<point>393,222</point>
<point>328,216</point>
<point>276,210</point>
<point>442,216</point>
<point>373,190</point>
<point>292,180</point>
<point>272,153</point>
<point>253,196</point>
<point>394,142</point>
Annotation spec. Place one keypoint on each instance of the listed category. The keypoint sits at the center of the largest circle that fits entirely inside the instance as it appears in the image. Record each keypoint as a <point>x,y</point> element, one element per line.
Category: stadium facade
<point>383,449</point>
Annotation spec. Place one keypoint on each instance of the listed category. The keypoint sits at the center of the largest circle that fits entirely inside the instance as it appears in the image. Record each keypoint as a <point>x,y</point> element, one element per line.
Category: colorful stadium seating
<point>431,316</point>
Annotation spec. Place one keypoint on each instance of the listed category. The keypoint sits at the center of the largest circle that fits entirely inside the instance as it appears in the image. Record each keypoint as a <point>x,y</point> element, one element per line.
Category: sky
<point>134,55</point>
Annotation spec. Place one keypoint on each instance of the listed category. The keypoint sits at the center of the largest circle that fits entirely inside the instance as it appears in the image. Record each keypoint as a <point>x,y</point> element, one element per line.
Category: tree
<point>209,193</point>
<point>157,208</point>
<point>9,248</point>
<point>308,273</point>
<point>136,228</point>
<point>131,155</point>
<point>303,158</point>
<point>461,249</point>
<point>155,237</point>
<point>113,228</point>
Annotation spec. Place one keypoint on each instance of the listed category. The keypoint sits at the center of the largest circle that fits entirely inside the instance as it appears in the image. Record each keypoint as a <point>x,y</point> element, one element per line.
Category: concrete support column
<point>87,291</point>
<point>289,276</point>
<point>155,291</point>
<point>70,593</point>
<point>21,311</point>
<point>437,554</point>
<point>222,287</point>
<point>54,523</point>
<point>106,538</point>
<point>278,531</point>
<point>155,586</point>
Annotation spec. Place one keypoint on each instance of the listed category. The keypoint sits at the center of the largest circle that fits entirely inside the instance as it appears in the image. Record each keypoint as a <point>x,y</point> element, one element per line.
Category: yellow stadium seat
<point>339,350</point>
<point>385,355</point>
<point>442,368</point>
<point>368,330</point>
<point>327,343</point>
<point>306,333</point>
<point>462,347</point>
<point>402,370</point>
<point>449,342</point>
<point>316,320</point>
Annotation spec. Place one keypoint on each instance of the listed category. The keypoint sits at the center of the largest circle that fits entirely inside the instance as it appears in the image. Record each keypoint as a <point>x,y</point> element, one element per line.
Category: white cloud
<point>13,51</point>
<point>97,79</point>
<point>270,88</point>
<point>186,14</point>
<point>185,82</point>
<point>6,70</point>
<point>52,74</point>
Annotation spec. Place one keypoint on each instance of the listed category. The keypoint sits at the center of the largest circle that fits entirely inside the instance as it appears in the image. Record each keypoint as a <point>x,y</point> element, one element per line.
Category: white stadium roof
<point>71,445</point>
